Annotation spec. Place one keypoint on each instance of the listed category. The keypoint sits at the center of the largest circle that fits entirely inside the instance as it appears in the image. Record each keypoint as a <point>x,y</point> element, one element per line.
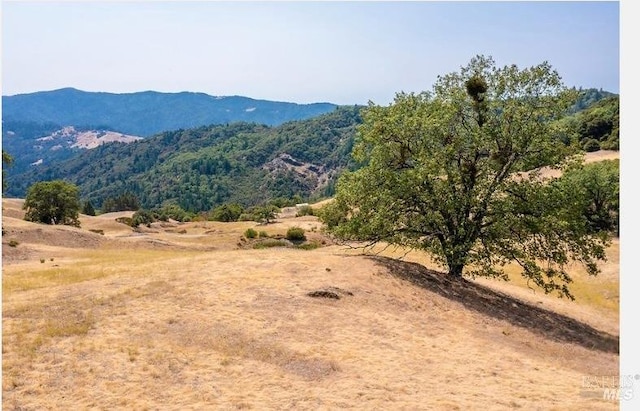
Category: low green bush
<point>250,233</point>
<point>308,246</point>
<point>295,234</point>
<point>269,243</point>
<point>304,210</point>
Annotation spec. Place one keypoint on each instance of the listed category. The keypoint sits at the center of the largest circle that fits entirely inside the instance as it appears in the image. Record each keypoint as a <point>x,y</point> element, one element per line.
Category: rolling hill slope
<point>188,316</point>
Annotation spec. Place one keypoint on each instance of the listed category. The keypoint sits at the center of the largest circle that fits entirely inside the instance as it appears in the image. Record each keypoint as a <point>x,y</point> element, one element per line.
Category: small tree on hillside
<point>142,217</point>
<point>227,212</point>
<point>595,189</point>
<point>265,214</point>
<point>87,209</point>
<point>444,173</point>
<point>53,202</point>
<point>7,161</point>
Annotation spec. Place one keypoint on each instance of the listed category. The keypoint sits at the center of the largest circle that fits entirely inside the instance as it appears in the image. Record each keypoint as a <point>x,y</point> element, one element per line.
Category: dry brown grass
<point>182,317</point>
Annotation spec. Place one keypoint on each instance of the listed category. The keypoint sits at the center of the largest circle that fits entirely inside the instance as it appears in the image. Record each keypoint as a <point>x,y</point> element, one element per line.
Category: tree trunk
<point>455,270</point>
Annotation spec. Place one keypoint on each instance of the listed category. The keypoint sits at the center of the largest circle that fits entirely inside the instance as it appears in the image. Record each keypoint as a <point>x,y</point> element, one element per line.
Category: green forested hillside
<point>598,126</point>
<point>31,142</point>
<point>590,96</point>
<point>203,167</point>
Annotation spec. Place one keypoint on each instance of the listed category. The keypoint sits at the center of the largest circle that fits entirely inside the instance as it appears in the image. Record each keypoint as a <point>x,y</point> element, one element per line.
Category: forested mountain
<point>32,143</point>
<point>248,163</point>
<point>202,167</point>
<point>147,113</point>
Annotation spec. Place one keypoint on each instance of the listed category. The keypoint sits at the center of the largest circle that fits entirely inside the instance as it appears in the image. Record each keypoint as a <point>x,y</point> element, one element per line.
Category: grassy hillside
<point>192,315</point>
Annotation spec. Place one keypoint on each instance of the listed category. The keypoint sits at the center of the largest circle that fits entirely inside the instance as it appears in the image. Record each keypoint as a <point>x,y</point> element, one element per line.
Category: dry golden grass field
<point>189,316</point>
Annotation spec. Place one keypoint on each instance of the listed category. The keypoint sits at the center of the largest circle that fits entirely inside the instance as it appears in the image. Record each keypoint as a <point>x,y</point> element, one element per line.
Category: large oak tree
<point>452,172</point>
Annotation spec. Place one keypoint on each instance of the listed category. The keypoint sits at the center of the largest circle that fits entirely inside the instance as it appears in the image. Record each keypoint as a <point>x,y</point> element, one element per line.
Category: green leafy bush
<point>269,243</point>
<point>250,233</point>
<point>295,234</point>
<point>227,212</point>
<point>174,212</point>
<point>308,246</point>
<point>590,145</point>
<point>142,216</point>
<point>304,210</point>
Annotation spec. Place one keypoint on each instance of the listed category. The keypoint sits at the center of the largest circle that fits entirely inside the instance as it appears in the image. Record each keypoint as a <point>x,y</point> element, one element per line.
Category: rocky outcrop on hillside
<point>317,175</point>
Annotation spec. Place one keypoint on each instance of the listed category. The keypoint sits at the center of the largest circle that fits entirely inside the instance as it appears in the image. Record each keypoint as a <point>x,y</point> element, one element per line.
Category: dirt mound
<point>501,306</point>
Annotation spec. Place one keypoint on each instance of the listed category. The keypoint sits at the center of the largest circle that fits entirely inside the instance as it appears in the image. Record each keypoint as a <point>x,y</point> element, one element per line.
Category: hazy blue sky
<point>340,52</point>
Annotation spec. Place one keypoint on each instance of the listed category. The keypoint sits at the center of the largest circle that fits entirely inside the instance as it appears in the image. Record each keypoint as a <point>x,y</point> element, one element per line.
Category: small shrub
<point>263,234</point>
<point>269,243</point>
<point>295,234</point>
<point>173,212</point>
<point>97,231</point>
<point>142,217</point>
<point>42,261</point>
<point>304,210</point>
<point>591,145</point>
<point>13,243</point>
<point>308,246</point>
<point>250,233</point>
<point>612,143</point>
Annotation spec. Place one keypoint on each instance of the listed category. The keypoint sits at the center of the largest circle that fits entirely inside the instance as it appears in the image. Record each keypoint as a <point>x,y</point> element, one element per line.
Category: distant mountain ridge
<point>150,112</point>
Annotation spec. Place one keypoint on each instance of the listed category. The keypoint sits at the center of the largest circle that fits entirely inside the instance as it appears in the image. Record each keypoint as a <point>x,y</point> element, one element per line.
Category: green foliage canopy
<point>445,173</point>
<point>53,202</point>
<point>227,212</point>
<point>7,161</point>
<point>142,217</point>
<point>595,189</point>
<point>88,209</point>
